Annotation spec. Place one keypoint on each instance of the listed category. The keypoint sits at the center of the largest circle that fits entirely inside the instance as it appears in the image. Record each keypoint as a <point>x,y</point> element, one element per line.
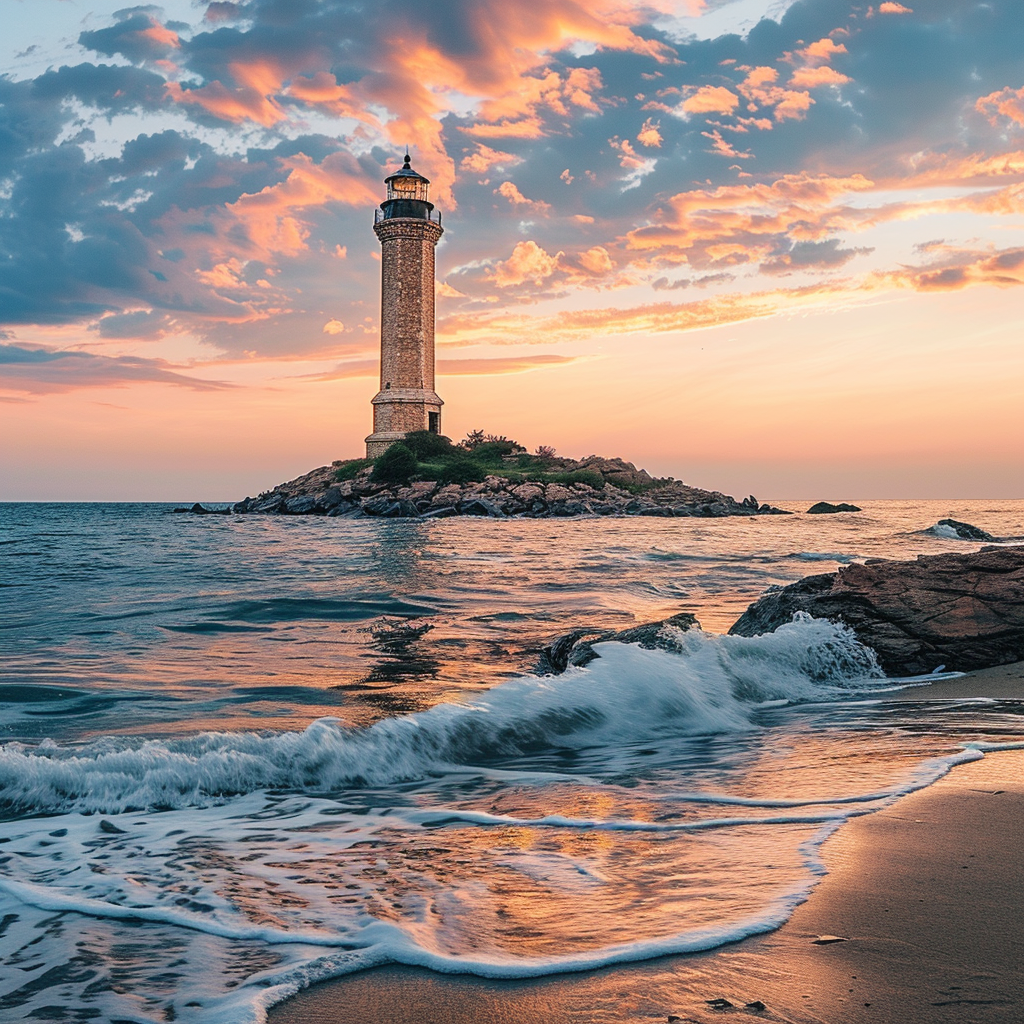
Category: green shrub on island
<point>424,455</point>
<point>396,466</point>
<point>351,468</point>
<point>590,477</point>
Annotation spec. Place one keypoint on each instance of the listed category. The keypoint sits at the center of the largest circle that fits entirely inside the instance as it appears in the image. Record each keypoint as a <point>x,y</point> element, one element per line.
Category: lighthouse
<point>408,227</point>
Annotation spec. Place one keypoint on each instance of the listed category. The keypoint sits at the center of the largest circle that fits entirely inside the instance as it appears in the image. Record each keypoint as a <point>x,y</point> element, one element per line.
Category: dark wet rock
<point>111,829</point>
<point>719,1004</point>
<point>962,611</point>
<point>387,508</point>
<point>300,506</point>
<point>347,512</point>
<point>827,940</point>
<point>480,507</point>
<point>268,504</point>
<point>827,508</point>
<point>577,647</point>
<point>331,498</point>
<point>757,1006</point>
<point>200,510</point>
<point>965,531</point>
<point>444,512</point>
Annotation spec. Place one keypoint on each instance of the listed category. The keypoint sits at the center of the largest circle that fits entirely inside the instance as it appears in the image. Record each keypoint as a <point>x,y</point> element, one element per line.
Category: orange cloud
<point>1006,102</point>
<point>269,218</point>
<point>822,51</point>
<point>814,78</point>
<point>500,365</point>
<point>516,198</point>
<point>323,91</point>
<point>649,134</point>
<point>481,161</point>
<point>893,8</point>
<point>528,262</point>
<point>251,100</point>
<point>799,206</point>
<point>759,87</point>
<point>711,99</point>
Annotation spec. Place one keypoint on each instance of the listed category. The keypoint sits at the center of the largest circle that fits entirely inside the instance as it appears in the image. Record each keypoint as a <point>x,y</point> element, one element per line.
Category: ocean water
<point>242,754</point>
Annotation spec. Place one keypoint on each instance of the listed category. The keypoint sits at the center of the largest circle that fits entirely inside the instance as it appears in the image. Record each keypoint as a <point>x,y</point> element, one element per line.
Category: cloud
<point>333,327</point>
<point>815,78</point>
<point>888,7</point>
<point>500,365</point>
<point>1008,103</point>
<point>510,192</point>
<point>528,262</point>
<point>711,99</point>
<point>41,371</point>
<point>650,134</point>
<point>825,255</point>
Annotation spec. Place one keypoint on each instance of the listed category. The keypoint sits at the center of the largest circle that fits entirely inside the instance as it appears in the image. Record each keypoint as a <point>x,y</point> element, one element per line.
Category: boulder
<point>577,647</point>
<point>269,504</point>
<point>827,508</point>
<point>961,611</point>
<point>962,531</point>
<point>301,505</point>
<point>442,512</point>
<point>480,507</point>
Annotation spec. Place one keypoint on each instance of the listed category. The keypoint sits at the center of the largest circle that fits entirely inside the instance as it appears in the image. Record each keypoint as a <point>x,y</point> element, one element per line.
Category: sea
<point>243,754</point>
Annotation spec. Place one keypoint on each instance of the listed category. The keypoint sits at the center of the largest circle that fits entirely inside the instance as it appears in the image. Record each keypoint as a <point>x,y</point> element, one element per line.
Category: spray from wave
<point>710,685</point>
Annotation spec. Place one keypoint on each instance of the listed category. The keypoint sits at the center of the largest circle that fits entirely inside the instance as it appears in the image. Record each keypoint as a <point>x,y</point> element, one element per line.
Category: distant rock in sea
<point>827,508</point>
<point>952,528</point>
<point>962,611</point>
<point>612,487</point>
<point>202,510</point>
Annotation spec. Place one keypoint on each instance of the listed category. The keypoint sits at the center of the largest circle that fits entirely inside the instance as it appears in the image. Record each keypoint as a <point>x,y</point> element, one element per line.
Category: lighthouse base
<point>401,411</point>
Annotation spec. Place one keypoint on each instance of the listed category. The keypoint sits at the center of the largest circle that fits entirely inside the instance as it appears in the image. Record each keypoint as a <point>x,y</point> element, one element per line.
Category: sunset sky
<point>764,246</point>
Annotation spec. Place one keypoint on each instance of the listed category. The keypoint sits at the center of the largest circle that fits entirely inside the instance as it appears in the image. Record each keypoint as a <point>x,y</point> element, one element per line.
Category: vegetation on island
<point>423,455</point>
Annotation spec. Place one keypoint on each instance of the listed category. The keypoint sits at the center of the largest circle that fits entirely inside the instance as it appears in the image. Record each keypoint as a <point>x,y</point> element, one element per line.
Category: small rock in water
<point>827,940</point>
<point>964,531</point>
<point>719,1004</point>
<point>757,1006</point>
<point>111,829</point>
<point>824,507</point>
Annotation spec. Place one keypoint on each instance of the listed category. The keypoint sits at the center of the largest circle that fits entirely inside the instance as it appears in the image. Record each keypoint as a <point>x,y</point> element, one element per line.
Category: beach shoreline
<point>924,895</point>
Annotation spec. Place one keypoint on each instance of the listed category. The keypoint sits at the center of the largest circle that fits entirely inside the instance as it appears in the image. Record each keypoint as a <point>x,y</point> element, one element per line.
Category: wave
<point>709,685</point>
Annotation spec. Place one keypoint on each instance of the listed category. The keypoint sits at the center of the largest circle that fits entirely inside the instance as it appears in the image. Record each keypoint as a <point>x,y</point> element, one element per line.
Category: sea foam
<point>709,685</point>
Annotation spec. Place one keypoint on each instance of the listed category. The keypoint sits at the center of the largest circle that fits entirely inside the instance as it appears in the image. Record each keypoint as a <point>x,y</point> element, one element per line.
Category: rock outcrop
<point>497,497</point>
<point>962,531</point>
<point>961,611</point>
<point>827,508</point>
<point>577,647</point>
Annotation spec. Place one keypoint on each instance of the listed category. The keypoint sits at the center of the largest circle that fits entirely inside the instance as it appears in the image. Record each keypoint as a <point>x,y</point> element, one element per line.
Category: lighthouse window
<point>434,422</point>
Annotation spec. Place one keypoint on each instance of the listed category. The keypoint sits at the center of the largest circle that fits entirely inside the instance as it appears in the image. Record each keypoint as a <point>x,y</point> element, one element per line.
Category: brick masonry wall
<point>407,322</point>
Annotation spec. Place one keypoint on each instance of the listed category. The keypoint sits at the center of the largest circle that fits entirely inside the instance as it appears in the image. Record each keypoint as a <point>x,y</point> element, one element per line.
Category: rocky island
<point>427,477</point>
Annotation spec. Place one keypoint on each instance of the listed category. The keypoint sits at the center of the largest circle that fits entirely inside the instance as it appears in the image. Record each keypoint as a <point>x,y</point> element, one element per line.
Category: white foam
<point>711,685</point>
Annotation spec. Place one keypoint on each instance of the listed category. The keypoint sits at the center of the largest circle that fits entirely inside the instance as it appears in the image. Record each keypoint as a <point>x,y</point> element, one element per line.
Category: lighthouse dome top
<point>406,173</point>
<point>408,195</point>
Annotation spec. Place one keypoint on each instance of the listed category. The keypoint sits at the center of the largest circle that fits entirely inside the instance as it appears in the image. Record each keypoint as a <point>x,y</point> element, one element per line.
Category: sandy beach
<point>924,894</point>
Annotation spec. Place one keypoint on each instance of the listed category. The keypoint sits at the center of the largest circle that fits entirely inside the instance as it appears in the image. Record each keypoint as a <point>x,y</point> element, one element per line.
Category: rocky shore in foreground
<point>613,488</point>
<point>956,611</point>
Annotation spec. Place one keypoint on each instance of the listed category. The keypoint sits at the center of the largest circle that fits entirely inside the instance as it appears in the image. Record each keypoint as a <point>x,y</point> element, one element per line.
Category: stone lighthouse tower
<point>408,228</point>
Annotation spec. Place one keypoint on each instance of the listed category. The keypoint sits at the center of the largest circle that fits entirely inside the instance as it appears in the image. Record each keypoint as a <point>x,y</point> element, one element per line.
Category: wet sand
<point>927,895</point>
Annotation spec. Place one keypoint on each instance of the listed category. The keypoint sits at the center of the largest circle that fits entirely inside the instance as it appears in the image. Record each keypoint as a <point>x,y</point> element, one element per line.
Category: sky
<point>764,246</point>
